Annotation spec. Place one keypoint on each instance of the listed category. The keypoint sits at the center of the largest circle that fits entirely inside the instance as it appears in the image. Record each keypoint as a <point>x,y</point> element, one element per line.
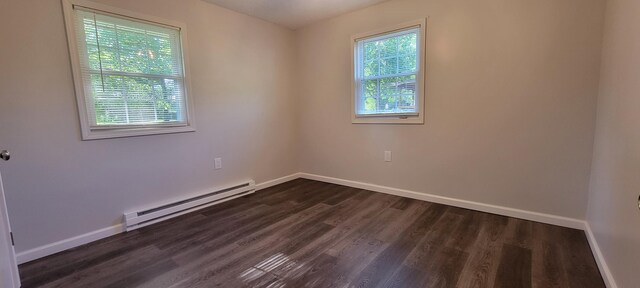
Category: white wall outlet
<point>387,156</point>
<point>218,163</point>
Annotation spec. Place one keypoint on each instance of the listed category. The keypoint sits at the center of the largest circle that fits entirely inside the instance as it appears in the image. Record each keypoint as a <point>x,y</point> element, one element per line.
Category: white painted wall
<point>510,113</point>
<point>613,210</point>
<point>510,103</point>
<point>58,186</point>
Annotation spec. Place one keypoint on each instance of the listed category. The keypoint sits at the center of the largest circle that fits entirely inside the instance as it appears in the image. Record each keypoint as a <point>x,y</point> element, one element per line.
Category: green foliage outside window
<point>389,67</point>
<point>143,87</point>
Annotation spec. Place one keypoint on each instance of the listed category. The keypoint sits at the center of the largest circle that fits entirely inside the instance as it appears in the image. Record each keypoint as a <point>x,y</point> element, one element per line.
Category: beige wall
<point>510,102</point>
<point>613,211</point>
<point>59,186</point>
<point>510,112</point>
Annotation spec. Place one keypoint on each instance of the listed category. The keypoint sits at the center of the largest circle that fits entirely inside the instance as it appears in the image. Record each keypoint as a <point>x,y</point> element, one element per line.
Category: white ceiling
<point>294,13</point>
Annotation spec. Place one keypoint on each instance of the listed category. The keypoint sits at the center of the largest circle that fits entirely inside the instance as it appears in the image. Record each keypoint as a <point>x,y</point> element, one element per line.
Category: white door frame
<point>9,276</point>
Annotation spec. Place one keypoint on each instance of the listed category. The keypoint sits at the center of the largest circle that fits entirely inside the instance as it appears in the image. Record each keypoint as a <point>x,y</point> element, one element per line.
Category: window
<point>128,72</point>
<point>388,76</point>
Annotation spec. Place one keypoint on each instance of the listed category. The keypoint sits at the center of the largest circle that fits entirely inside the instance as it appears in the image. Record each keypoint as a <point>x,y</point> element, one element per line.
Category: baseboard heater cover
<point>157,213</point>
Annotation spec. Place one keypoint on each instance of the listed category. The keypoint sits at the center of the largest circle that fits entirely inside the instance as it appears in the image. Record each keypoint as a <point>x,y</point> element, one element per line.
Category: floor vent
<point>155,214</point>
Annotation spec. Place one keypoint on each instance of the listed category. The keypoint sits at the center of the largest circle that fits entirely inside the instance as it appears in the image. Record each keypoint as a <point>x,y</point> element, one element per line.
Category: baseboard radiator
<point>157,213</point>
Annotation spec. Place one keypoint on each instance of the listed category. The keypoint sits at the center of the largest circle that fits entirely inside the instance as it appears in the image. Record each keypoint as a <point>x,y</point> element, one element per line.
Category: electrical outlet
<point>218,163</point>
<point>387,156</point>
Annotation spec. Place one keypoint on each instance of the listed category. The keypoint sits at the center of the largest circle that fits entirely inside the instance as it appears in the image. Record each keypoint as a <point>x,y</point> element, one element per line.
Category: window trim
<point>133,130</point>
<point>392,118</point>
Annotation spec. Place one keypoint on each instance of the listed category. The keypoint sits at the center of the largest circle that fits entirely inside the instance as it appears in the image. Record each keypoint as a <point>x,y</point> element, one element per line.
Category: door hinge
<point>13,243</point>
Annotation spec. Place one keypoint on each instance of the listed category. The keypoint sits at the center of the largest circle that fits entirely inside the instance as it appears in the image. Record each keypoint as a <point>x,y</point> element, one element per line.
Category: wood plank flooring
<point>311,234</point>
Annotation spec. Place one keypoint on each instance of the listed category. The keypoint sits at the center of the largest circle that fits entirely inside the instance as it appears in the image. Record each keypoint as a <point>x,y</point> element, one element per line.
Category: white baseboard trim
<point>597,253</point>
<point>274,182</point>
<point>495,209</point>
<point>53,248</point>
<point>79,240</point>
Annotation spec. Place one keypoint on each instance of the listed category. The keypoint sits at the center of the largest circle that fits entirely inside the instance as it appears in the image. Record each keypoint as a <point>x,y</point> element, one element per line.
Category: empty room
<point>319,143</point>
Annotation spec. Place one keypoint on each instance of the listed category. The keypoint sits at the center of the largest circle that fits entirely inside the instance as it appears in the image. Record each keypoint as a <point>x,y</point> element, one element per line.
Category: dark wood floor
<point>311,234</point>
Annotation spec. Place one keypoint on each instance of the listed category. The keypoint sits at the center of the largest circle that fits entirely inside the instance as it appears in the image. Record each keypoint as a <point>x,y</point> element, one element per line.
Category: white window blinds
<point>386,68</point>
<point>132,71</point>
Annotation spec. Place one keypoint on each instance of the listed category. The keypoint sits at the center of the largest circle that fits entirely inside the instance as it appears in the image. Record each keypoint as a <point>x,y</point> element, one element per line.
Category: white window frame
<point>129,130</point>
<point>391,118</point>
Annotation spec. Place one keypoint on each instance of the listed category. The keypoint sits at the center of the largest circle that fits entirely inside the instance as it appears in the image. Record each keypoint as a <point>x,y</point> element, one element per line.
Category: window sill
<point>133,132</point>
<point>395,119</point>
